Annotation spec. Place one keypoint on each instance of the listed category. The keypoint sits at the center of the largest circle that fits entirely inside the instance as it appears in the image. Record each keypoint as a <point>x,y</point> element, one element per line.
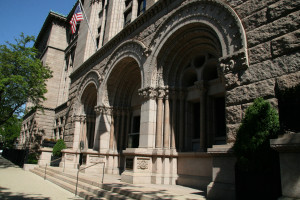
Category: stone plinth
<point>223,173</point>
<point>150,166</point>
<point>289,152</point>
<point>45,157</point>
<point>70,159</point>
<point>194,169</point>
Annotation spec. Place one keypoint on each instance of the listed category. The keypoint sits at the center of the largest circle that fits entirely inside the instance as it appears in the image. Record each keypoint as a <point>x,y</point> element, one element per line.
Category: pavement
<point>17,184</point>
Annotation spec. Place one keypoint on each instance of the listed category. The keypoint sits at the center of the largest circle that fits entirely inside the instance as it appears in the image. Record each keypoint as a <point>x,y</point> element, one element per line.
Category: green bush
<point>60,145</point>
<point>252,146</point>
<point>32,158</point>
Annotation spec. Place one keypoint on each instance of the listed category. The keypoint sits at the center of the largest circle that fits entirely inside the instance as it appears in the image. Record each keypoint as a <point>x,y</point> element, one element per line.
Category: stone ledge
<point>290,142</point>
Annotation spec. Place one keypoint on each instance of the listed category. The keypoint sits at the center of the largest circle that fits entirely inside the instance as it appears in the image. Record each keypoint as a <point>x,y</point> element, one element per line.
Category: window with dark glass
<point>141,7</point>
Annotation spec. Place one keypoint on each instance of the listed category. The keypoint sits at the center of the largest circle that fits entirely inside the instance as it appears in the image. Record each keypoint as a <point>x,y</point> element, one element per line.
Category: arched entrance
<point>89,101</point>
<point>189,64</point>
<point>122,99</point>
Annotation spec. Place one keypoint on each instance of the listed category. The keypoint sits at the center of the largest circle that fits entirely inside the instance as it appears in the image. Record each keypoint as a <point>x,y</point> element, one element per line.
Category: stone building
<point>158,88</point>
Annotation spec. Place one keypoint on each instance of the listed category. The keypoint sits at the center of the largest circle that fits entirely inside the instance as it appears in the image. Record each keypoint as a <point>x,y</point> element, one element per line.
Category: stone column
<point>57,133</point>
<point>123,114</point>
<point>173,126</point>
<point>128,115</point>
<point>117,127</point>
<point>167,123</point>
<point>148,118</point>
<point>158,139</point>
<point>112,132</point>
<point>182,120</point>
<point>134,10</point>
<point>201,87</point>
<point>77,132</point>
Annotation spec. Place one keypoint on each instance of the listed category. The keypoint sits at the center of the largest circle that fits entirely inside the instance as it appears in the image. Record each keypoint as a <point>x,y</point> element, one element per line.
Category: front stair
<point>90,187</point>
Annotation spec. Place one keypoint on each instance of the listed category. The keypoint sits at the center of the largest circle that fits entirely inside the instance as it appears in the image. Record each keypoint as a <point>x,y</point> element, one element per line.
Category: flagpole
<point>88,25</point>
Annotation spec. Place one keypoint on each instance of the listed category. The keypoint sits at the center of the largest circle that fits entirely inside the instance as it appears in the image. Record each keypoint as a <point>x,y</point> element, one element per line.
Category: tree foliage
<point>60,145</point>
<point>22,77</point>
<point>9,131</point>
<point>260,124</point>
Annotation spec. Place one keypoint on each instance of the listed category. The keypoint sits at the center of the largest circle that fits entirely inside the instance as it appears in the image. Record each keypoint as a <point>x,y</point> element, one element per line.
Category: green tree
<point>252,146</point>
<point>22,77</point>
<point>9,131</point>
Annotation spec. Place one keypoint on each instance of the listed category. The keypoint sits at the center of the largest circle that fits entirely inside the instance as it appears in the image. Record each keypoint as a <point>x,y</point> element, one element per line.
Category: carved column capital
<point>148,93</point>
<point>202,86</point>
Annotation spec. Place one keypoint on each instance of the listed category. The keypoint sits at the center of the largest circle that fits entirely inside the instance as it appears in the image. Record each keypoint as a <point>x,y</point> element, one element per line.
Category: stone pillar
<point>103,133</point>
<point>57,134</point>
<point>128,127</point>
<point>223,174</point>
<point>158,138</point>
<point>201,87</point>
<point>117,130</point>
<point>134,10</point>
<point>288,147</point>
<point>77,132</point>
<point>123,114</point>
<point>167,123</point>
<point>182,120</point>
<point>112,132</point>
<point>173,126</point>
<point>148,118</point>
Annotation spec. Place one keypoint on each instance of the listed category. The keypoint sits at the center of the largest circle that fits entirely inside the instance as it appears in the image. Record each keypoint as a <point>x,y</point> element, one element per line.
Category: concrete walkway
<point>17,184</point>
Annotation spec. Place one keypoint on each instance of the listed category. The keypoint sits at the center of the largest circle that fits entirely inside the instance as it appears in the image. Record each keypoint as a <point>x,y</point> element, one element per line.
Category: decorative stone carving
<point>229,68</point>
<point>234,63</point>
<point>142,164</point>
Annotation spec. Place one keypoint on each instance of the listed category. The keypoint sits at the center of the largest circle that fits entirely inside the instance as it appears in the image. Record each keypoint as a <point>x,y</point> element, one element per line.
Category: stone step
<point>71,188</point>
<point>90,189</point>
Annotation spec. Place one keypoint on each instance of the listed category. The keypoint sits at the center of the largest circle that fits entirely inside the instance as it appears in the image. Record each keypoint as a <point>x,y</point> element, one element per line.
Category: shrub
<point>32,158</point>
<point>252,146</point>
<point>60,145</point>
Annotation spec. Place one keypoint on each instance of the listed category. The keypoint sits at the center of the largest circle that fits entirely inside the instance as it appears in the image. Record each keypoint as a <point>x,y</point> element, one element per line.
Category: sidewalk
<point>17,184</point>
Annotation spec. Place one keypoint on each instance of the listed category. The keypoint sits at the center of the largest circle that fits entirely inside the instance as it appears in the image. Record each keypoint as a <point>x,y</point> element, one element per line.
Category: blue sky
<point>28,16</point>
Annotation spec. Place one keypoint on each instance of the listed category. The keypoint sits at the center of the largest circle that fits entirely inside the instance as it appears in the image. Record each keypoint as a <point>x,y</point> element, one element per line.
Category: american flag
<point>76,18</point>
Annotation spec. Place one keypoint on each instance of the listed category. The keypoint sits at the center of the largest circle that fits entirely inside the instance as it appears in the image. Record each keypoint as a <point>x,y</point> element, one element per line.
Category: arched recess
<point>120,94</point>
<point>84,108</point>
<point>215,14</point>
<point>188,65</point>
<point>89,101</point>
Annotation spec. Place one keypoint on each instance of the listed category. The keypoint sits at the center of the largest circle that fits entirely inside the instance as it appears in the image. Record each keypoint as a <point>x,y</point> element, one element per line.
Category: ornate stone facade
<point>169,84</point>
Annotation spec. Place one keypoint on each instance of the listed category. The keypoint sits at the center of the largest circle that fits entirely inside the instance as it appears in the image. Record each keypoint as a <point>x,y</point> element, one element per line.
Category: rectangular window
<point>134,136</point>
<point>141,7</point>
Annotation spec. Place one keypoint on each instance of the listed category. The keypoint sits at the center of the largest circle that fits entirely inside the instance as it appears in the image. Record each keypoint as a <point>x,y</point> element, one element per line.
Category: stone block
<point>256,20</point>
<point>275,29</point>
<point>251,6</point>
<point>260,53</point>
<point>233,114</point>
<point>285,44</point>
<point>288,147</point>
<point>247,93</point>
<point>281,8</point>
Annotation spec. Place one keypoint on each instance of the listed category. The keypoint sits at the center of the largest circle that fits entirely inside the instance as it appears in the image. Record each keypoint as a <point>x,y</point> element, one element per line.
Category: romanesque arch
<point>84,110</point>
<point>219,17</point>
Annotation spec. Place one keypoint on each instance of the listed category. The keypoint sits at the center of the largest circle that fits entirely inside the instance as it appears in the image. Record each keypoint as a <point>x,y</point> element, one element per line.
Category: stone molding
<point>120,111</point>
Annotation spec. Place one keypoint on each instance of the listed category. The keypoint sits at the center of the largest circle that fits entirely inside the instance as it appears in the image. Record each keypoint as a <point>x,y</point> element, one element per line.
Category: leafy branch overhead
<point>22,77</point>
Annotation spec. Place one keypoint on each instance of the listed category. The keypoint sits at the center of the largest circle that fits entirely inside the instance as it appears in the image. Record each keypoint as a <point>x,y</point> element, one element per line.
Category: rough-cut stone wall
<point>272,29</point>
